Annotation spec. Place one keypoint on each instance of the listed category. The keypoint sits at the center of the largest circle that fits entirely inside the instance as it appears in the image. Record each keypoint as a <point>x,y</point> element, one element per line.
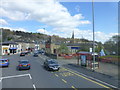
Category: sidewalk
<point>104,68</point>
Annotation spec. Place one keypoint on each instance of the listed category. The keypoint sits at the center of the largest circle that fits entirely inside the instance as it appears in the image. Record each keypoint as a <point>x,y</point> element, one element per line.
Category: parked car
<point>23,64</point>
<point>35,55</point>
<point>26,52</point>
<point>22,54</point>
<point>51,64</point>
<point>4,62</point>
<point>41,52</point>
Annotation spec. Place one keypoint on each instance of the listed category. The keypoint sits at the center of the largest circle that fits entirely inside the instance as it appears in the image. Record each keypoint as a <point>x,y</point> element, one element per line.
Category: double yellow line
<point>88,79</point>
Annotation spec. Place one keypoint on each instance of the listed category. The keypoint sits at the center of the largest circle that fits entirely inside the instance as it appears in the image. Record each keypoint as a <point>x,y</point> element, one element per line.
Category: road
<point>38,77</point>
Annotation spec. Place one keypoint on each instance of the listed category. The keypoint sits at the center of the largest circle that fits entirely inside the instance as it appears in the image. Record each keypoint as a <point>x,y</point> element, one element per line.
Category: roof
<point>4,59</point>
<point>23,42</point>
<point>7,43</point>
<point>24,60</point>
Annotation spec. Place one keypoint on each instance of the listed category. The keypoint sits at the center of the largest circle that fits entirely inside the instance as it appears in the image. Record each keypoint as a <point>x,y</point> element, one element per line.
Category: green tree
<point>112,45</point>
<point>63,49</point>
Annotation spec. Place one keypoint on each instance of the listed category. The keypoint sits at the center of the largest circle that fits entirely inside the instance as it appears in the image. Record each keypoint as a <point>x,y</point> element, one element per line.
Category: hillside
<point>11,35</point>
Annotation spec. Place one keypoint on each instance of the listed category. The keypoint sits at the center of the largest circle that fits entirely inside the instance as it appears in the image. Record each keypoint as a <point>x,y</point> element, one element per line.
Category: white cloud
<point>43,31</point>
<point>51,13</point>
<point>87,34</point>
<point>48,11</point>
<point>3,22</point>
<point>15,29</point>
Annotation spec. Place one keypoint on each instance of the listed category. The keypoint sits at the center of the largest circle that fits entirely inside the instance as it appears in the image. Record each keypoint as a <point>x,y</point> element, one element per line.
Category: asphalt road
<point>38,77</point>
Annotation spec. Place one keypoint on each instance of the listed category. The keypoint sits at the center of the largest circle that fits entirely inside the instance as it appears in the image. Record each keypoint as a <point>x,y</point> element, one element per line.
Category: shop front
<point>5,50</point>
<point>13,50</point>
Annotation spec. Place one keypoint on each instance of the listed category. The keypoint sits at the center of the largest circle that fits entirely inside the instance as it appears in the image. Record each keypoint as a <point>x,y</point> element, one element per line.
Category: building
<point>9,48</point>
<point>16,47</point>
<point>23,46</point>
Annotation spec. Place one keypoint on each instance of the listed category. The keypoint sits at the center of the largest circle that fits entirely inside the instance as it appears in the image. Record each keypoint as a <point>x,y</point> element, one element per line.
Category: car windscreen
<point>52,62</point>
<point>3,60</point>
<point>24,61</point>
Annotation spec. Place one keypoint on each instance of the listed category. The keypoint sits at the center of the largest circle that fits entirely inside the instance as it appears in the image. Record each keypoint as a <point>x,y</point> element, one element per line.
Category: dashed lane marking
<point>64,81</point>
<point>34,87</point>
<point>30,76</point>
<point>56,75</point>
<point>0,79</point>
<point>73,87</point>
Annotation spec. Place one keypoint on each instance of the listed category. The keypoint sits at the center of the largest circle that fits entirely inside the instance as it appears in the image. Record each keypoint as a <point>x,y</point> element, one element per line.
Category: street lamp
<point>1,43</point>
<point>93,37</point>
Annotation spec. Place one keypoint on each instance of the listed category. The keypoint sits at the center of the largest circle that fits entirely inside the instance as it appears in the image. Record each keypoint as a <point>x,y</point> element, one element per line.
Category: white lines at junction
<point>15,76</point>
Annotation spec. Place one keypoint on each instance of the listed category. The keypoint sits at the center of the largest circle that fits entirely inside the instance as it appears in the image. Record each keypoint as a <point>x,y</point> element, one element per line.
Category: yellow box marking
<point>65,74</point>
<point>56,75</point>
<point>62,69</point>
<point>88,79</point>
<point>64,81</point>
<point>73,87</point>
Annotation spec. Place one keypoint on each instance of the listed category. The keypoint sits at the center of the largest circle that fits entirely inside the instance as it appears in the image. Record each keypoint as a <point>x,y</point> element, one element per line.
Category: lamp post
<point>1,43</point>
<point>93,37</point>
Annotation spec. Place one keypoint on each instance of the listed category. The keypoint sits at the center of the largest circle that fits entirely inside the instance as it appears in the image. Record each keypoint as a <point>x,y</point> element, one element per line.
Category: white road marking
<point>0,79</point>
<point>93,78</point>
<point>30,76</point>
<point>14,76</point>
<point>34,87</point>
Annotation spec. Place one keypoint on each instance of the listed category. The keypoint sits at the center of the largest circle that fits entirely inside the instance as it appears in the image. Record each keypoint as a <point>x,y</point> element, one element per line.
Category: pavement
<point>104,68</point>
<point>69,75</point>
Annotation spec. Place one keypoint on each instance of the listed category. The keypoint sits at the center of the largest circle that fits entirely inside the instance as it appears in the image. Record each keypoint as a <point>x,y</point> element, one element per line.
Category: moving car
<point>22,54</point>
<point>24,64</point>
<point>51,64</point>
<point>35,55</point>
<point>4,62</point>
<point>41,52</point>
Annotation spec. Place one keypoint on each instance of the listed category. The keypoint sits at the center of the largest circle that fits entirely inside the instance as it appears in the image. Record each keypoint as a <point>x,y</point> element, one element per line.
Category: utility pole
<point>44,41</point>
<point>93,37</point>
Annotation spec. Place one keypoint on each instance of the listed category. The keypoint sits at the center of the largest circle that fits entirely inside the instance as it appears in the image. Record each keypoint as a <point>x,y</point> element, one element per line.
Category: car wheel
<point>58,69</point>
<point>48,69</point>
<point>19,69</point>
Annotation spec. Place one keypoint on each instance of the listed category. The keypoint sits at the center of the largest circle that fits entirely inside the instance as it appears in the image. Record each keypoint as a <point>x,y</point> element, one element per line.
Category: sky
<point>61,18</point>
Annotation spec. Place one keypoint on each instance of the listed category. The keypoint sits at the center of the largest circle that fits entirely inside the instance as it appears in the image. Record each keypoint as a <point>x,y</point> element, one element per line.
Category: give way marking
<point>16,76</point>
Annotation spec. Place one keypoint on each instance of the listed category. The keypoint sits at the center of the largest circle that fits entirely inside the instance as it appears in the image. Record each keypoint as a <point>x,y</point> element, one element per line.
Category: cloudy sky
<point>60,18</point>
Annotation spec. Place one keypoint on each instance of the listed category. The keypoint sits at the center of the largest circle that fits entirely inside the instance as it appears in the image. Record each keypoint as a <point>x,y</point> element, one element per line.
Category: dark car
<point>35,55</point>
<point>4,62</point>
<point>51,64</point>
<point>22,54</point>
<point>23,64</point>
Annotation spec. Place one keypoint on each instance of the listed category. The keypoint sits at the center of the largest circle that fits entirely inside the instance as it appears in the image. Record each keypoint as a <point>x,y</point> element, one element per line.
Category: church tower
<point>72,39</point>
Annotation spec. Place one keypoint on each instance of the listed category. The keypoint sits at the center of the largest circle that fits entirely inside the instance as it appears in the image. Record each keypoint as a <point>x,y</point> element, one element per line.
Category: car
<point>22,54</point>
<point>35,55</point>
<point>26,52</point>
<point>51,64</point>
<point>41,52</point>
<point>4,62</point>
<point>24,64</point>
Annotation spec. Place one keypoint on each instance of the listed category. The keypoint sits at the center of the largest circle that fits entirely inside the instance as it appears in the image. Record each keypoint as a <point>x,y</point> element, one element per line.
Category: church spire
<point>72,39</point>
<point>73,35</point>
